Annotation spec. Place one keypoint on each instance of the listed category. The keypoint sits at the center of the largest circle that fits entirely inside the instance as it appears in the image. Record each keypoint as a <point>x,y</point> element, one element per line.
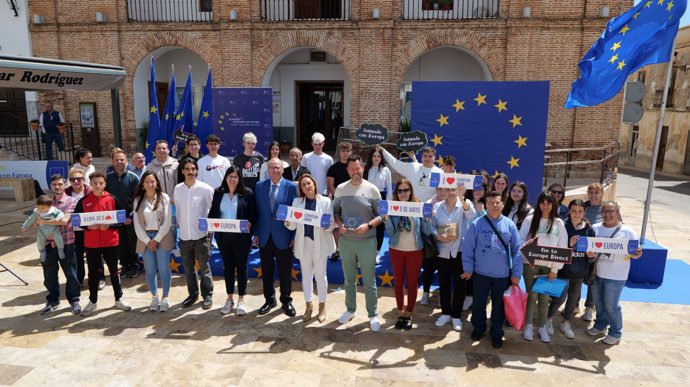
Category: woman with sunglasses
<point>558,193</point>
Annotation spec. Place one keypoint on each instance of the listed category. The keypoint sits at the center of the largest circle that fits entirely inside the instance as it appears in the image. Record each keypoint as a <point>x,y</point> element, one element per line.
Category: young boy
<point>45,210</point>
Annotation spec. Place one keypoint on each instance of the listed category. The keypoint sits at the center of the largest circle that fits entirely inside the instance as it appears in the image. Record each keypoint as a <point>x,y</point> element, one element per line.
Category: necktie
<point>272,196</point>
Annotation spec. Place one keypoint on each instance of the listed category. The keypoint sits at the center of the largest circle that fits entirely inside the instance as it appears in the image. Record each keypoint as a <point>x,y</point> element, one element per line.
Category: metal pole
<point>117,125</point>
<point>657,142</point>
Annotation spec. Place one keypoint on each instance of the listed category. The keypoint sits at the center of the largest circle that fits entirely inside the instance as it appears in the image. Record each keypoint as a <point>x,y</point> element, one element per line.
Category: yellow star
<point>386,279</point>
<point>174,266</point>
<point>616,46</point>
<point>481,99</point>
<point>495,175</point>
<point>181,114</point>
<point>624,30</point>
<point>521,141</point>
<point>513,162</point>
<point>220,122</point>
<point>621,64</point>
<point>437,140</point>
<point>153,109</point>
<point>167,116</point>
<point>358,279</point>
<point>439,161</point>
<point>222,128</point>
<point>205,114</point>
<point>458,105</point>
<point>147,145</point>
<point>501,105</point>
<point>259,272</point>
<point>294,274</point>
<point>443,120</point>
<point>660,2</point>
<point>516,121</point>
<point>613,59</point>
<point>648,4</point>
<point>197,266</point>
<point>177,117</point>
<point>636,15</point>
<point>669,6</point>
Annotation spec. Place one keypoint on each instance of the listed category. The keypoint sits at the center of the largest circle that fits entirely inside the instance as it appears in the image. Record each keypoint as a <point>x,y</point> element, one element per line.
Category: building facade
<point>330,63</point>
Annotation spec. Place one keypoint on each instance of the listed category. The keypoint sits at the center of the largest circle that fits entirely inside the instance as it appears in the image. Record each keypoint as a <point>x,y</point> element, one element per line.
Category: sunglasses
<point>403,190</point>
<point>76,178</point>
<point>557,192</point>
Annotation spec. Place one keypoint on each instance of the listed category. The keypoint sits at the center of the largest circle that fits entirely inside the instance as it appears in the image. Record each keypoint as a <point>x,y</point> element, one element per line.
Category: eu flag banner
<point>204,124</point>
<point>641,36</point>
<point>154,132</point>
<point>168,124</point>
<point>184,118</point>
<point>239,110</point>
<point>496,126</point>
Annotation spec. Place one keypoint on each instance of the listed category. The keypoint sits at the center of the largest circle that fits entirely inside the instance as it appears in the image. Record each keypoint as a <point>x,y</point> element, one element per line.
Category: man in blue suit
<point>274,240</point>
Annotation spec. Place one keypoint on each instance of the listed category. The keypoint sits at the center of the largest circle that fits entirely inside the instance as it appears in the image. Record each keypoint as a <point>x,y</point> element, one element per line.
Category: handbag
<point>430,247</point>
<point>591,275</point>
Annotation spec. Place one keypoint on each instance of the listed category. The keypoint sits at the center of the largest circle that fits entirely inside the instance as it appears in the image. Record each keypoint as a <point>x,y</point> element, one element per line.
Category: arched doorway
<point>311,93</point>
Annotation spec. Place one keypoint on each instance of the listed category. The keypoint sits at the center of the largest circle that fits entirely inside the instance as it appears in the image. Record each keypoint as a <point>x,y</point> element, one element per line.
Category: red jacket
<point>94,239</point>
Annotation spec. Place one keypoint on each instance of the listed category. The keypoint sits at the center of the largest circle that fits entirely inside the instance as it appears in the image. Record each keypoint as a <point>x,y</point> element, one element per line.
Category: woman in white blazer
<point>313,245</point>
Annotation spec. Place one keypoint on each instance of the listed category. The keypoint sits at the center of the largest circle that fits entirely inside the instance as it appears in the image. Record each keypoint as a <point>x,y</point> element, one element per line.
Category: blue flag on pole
<point>167,126</point>
<point>496,126</point>
<point>154,132</point>
<point>643,35</point>
<point>204,125</point>
<point>184,121</point>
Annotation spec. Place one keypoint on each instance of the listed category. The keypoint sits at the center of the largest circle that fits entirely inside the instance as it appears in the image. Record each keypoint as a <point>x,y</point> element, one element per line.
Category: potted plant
<point>62,127</point>
<point>34,125</point>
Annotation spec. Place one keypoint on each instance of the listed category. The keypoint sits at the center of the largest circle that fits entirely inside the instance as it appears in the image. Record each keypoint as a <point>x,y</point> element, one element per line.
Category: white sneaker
<point>467,304</point>
<point>347,316</point>
<point>544,334</point>
<point>528,332</point>
<point>123,305</point>
<point>88,309</point>
<point>164,305</point>
<point>457,324</point>
<point>567,330</point>
<point>378,259</point>
<point>101,284</point>
<point>241,309</point>
<point>610,340</point>
<point>596,332</point>
<point>155,304</point>
<point>589,314</point>
<point>549,326</point>
<point>227,308</point>
<point>375,324</point>
<point>176,252</point>
<point>425,299</point>
<point>442,320</point>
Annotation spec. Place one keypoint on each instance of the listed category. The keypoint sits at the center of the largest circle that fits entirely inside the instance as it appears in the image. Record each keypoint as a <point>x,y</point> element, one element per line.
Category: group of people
<point>478,234</point>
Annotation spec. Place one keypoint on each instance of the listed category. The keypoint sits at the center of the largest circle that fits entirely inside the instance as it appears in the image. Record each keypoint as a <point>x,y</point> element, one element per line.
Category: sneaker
<point>123,305</point>
<point>101,284</point>
<point>227,308</point>
<point>378,259</point>
<point>497,342</point>
<point>425,298</point>
<point>610,340</point>
<point>467,304</point>
<point>528,332</point>
<point>442,320</point>
<point>544,334</point>
<point>347,316</point>
<point>549,326</point>
<point>589,314</point>
<point>176,252</point>
<point>400,324</point>
<point>208,302</point>
<point>335,257</point>
<point>375,324</point>
<point>76,308</point>
<point>155,304</point>
<point>89,309</point>
<point>49,308</point>
<point>476,336</point>
<point>408,324</point>
<point>164,305</point>
<point>567,330</point>
<point>457,324</point>
<point>596,332</point>
<point>241,309</point>
<point>132,273</point>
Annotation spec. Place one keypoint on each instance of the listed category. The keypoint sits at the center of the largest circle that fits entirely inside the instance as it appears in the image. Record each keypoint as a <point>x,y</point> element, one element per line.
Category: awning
<point>31,73</point>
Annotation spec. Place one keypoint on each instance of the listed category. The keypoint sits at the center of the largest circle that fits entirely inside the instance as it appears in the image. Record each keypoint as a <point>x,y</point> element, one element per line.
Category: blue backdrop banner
<point>496,126</point>
<point>237,110</point>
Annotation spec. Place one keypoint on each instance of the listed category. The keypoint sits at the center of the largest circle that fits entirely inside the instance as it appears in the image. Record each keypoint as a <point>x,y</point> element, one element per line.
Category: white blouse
<point>381,178</point>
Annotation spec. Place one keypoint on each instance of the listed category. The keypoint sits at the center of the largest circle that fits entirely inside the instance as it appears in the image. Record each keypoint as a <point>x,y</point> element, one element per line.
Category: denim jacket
<point>419,225</point>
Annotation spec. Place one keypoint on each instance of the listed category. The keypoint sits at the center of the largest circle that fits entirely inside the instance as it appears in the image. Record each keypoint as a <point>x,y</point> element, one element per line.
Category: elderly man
<point>48,121</point>
<point>295,169</point>
<point>138,165</point>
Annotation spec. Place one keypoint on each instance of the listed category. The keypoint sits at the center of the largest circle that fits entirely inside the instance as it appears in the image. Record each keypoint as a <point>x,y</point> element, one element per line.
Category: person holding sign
<point>377,173</point>
<point>546,229</point>
<point>612,273</point>
<point>418,174</point>
<point>313,245</point>
<point>232,200</point>
<point>406,248</point>
<point>449,224</point>
<point>152,220</point>
<point>101,242</point>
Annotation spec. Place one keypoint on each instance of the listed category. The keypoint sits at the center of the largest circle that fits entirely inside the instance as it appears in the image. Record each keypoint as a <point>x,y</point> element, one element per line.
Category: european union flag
<point>496,126</point>
<point>154,131</point>
<point>204,125</point>
<point>183,118</point>
<point>168,125</point>
<point>643,35</point>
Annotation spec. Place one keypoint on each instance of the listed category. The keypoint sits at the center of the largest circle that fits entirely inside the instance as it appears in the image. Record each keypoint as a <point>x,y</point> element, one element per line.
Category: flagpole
<point>657,142</point>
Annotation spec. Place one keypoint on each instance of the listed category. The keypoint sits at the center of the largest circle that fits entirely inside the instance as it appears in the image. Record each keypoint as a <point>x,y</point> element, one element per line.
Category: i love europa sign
<point>224,225</point>
<point>300,215</point>
<point>397,208</point>
<point>607,245</point>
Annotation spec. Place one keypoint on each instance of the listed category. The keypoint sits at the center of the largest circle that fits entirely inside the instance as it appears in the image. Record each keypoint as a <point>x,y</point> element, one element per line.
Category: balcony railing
<point>276,10</point>
<point>169,10</point>
<point>450,9</point>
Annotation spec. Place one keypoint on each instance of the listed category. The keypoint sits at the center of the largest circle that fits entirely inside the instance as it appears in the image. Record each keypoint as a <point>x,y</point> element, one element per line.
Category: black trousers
<point>93,260</point>
<point>449,271</point>
<point>270,256</point>
<point>234,249</point>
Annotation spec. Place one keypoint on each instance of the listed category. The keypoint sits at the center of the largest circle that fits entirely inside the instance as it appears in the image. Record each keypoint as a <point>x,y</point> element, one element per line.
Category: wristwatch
<point>369,224</point>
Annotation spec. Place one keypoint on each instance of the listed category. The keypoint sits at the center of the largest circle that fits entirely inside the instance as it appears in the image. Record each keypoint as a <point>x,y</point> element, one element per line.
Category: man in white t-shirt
<point>417,173</point>
<point>212,167</point>
<point>318,162</point>
<point>612,273</point>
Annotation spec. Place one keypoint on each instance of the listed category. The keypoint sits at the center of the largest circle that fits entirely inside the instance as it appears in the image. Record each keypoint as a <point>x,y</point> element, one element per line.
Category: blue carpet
<point>674,290</point>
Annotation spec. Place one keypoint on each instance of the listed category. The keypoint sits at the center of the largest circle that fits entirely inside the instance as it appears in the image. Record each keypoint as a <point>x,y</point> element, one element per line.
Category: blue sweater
<point>483,253</point>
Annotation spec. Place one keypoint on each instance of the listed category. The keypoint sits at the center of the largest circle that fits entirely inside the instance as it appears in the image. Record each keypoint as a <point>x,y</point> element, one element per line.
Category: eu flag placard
<point>496,126</point>
<point>641,36</point>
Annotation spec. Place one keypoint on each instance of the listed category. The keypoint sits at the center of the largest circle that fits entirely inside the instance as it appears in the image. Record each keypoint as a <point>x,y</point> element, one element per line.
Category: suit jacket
<point>324,243</point>
<point>287,173</point>
<point>246,206</point>
<point>267,225</point>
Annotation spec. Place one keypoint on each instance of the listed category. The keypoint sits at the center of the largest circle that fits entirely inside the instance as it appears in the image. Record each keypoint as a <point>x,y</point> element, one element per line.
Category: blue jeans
<point>483,286</point>
<point>50,274</point>
<point>49,138</point>
<point>607,294</point>
<point>157,261</point>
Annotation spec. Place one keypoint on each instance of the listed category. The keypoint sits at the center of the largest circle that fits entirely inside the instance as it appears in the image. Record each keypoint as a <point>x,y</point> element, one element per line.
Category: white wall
<point>14,31</point>
<point>446,64</point>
